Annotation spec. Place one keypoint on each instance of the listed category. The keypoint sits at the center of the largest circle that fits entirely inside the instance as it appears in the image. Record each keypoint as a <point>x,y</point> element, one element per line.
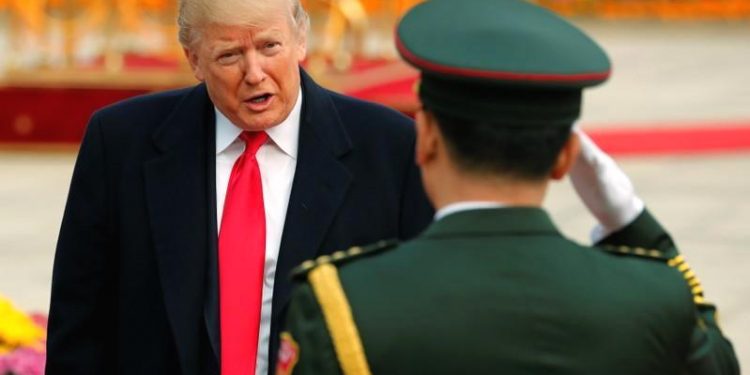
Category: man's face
<point>252,73</point>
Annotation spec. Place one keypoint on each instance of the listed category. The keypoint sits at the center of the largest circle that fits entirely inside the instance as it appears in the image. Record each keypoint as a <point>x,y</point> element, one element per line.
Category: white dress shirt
<point>465,206</point>
<point>277,160</point>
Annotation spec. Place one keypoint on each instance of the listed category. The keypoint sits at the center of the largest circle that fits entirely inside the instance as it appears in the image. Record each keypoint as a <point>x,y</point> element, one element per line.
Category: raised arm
<point>624,223</point>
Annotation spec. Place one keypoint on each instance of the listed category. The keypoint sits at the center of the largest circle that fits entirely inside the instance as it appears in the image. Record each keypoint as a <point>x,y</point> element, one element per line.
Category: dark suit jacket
<point>134,287</point>
<point>501,291</point>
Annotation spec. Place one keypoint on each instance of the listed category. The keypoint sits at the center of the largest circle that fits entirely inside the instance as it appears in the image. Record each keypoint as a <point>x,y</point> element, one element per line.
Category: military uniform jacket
<point>502,291</point>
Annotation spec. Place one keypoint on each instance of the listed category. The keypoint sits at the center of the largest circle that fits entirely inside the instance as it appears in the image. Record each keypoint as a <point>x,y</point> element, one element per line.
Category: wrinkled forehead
<point>218,36</point>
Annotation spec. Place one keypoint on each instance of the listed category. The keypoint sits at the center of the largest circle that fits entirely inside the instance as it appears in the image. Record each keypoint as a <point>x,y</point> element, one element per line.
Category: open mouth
<point>260,99</point>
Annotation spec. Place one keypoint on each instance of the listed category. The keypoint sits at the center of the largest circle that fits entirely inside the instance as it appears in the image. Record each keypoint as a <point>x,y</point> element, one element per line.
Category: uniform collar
<point>493,221</point>
<point>285,135</point>
<point>465,206</point>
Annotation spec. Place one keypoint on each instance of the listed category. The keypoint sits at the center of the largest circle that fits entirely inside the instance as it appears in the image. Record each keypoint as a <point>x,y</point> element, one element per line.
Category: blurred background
<point>675,115</point>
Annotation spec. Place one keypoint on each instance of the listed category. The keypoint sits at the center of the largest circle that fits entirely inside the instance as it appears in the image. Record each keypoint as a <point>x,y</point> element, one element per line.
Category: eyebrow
<point>224,47</point>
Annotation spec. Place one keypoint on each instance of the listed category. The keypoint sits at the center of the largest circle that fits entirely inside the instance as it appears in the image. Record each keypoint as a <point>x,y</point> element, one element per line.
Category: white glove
<point>604,188</point>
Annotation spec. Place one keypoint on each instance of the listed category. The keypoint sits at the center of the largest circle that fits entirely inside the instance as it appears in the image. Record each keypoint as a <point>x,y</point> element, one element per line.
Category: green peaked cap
<point>503,61</point>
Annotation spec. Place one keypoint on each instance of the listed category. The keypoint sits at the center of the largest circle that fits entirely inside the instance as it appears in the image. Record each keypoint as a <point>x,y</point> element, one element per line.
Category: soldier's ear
<point>566,158</point>
<point>427,138</point>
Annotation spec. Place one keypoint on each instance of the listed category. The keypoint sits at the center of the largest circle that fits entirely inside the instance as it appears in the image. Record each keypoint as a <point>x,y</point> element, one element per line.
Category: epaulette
<point>677,262</point>
<point>340,257</point>
<point>637,252</point>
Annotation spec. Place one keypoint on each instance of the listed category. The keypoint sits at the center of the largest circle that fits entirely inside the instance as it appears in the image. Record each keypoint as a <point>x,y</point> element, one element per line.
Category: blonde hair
<point>194,14</point>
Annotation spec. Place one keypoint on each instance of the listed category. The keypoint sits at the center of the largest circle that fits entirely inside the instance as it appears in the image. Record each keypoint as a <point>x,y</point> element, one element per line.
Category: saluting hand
<point>604,188</point>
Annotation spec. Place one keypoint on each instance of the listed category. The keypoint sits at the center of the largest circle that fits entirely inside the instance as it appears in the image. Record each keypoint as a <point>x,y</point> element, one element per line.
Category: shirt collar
<point>465,206</point>
<point>285,135</point>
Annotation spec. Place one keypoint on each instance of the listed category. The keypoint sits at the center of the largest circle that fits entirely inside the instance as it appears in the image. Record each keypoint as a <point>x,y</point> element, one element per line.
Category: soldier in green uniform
<point>492,287</point>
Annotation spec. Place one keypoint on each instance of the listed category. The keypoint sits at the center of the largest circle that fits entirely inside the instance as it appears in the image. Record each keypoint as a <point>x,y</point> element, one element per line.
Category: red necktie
<point>242,249</point>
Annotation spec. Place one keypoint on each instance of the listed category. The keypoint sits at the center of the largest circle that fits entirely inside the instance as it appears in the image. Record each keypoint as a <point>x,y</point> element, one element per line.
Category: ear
<point>301,52</point>
<point>192,58</point>
<point>301,47</point>
<point>427,138</point>
<point>566,158</point>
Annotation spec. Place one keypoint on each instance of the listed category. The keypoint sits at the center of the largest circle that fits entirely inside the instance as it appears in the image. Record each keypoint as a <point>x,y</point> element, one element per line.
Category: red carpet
<point>34,116</point>
<point>662,139</point>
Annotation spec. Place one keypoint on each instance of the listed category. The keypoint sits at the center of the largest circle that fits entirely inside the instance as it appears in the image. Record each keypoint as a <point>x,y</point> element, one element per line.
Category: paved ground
<point>663,74</point>
<point>671,74</point>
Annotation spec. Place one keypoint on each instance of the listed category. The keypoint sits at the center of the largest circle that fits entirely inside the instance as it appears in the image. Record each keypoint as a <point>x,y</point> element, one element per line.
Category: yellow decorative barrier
<point>17,329</point>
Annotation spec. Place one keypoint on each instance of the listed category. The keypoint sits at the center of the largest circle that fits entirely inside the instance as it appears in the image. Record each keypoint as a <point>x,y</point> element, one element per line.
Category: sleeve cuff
<point>644,231</point>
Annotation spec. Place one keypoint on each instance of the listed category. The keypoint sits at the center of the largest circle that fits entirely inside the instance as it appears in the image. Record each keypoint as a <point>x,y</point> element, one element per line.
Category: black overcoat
<point>135,275</point>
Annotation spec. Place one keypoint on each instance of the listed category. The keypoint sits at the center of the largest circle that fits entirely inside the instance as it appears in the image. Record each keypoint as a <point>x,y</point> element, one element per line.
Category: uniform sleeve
<point>643,232</point>
<point>306,345</point>
<point>80,332</point>
<point>710,353</point>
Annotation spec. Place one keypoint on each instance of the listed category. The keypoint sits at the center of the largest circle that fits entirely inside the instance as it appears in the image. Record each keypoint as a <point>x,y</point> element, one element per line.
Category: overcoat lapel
<point>178,196</point>
<point>320,184</point>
